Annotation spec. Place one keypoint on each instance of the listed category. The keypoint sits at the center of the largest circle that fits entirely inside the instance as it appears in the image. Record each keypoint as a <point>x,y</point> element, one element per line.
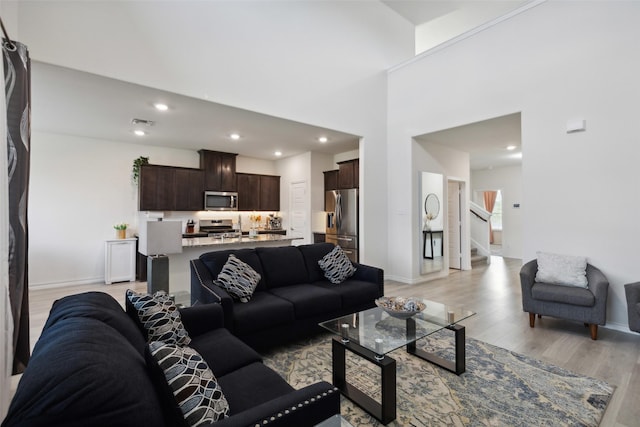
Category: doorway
<point>454,217</point>
<point>298,213</point>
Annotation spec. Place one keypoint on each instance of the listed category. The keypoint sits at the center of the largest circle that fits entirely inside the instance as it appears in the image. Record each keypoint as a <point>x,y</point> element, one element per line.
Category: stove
<point>217,227</point>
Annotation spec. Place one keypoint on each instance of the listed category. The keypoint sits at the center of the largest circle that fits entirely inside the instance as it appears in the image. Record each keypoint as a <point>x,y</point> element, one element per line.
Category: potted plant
<point>121,230</point>
<point>135,171</point>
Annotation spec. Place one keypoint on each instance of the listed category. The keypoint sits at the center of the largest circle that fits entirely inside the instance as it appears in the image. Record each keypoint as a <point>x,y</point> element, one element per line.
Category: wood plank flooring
<point>493,292</point>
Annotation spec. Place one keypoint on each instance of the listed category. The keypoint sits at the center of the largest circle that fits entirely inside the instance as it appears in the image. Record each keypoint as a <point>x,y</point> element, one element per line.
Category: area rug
<point>499,387</point>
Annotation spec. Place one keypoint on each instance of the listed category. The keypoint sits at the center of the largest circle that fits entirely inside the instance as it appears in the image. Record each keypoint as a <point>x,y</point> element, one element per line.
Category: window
<point>496,217</point>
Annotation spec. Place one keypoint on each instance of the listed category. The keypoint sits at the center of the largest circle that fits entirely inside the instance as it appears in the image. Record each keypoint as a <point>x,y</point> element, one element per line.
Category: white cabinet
<point>120,260</point>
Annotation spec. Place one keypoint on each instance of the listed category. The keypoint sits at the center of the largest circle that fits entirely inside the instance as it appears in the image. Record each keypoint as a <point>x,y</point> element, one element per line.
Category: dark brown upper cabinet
<point>219,170</point>
<point>258,192</point>
<point>348,174</point>
<point>168,188</point>
<point>331,180</point>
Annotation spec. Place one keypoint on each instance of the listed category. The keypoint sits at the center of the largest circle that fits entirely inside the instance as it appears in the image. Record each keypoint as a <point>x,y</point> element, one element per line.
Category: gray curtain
<point>17,73</point>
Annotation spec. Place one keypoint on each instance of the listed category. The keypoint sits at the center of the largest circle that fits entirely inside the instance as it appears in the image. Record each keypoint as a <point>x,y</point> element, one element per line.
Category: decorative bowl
<point>401,307</point>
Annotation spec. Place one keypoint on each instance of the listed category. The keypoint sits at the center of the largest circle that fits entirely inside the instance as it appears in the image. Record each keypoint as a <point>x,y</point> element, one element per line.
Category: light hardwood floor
<point>493,292</point>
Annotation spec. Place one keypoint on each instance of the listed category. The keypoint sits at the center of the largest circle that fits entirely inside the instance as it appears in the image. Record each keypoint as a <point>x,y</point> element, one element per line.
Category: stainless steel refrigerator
<point>342,220</point>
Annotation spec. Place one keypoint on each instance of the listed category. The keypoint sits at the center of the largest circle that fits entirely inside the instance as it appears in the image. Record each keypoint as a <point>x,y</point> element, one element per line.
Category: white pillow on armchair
<point>566,270</point>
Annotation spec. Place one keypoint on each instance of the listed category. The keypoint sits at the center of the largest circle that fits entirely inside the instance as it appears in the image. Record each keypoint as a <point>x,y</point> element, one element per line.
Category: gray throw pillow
<point>337,266</point>
<point>238,278</point>
<point>194,386</point>
<point>567,270</point>
<point>160,317</point>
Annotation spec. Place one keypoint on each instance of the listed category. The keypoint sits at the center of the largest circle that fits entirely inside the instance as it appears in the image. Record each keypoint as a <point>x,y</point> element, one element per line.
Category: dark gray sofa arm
<point>302,408</point>
<point>632,292</point>
<point>527,279</point>
<point>368,273</point>
<point>204,291</point>
<point>202,318</point>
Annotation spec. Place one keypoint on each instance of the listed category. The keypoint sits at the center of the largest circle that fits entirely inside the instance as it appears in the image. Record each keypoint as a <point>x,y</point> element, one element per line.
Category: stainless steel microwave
<point>220,201</point>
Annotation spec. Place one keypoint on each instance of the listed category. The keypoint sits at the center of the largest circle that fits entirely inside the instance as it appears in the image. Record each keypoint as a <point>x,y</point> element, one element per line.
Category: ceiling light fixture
<point>234,136</point>
<point>323,139</point>
<point>139,132</point>
<point>511,147</point>
<point>278,153</point>
<point>160,106</point>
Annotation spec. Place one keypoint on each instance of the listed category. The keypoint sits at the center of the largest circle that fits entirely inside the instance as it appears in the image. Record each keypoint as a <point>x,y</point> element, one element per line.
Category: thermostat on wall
<point>516,205</point>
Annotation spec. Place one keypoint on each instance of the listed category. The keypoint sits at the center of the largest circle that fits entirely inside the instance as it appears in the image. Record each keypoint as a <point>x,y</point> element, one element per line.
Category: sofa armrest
<point>598,283</point>
<point>301,408</point>
<point>527,279</point>
<point>371,274</point>
<point>202,318</point>
<point>205,291</point>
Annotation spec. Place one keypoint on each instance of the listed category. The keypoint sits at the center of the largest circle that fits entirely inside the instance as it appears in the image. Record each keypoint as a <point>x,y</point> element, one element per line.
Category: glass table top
<point>381,333</point>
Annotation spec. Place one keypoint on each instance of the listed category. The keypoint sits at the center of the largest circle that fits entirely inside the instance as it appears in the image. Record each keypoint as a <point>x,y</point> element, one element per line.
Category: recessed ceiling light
<point>323,139</point>
<point>278,153</point>
<point>139,132</point>
<point>234,136</point>
<point>511,147</point>
<point>160,106</point>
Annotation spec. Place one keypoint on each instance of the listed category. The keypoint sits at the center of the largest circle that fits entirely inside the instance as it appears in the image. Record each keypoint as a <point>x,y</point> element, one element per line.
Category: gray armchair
<point>632,290</point>
<point>587,305</point>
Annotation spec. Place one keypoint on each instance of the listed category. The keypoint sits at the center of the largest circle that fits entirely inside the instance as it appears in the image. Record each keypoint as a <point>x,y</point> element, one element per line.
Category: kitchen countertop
<point>248,241</point>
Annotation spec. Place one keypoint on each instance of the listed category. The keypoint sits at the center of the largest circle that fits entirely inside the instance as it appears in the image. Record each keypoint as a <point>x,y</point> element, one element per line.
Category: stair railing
<point>480,220</point>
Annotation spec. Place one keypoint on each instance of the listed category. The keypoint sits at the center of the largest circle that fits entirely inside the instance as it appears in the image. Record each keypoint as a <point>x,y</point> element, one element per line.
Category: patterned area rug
<point>499,387</point>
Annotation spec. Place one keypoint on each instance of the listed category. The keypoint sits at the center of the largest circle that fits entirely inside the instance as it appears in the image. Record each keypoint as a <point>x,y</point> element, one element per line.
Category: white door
<point>455,224</point>
<point>298,212</point>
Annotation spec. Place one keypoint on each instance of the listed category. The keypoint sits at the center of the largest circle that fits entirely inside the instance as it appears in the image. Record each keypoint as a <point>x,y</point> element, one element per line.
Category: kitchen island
<point>192,248</point>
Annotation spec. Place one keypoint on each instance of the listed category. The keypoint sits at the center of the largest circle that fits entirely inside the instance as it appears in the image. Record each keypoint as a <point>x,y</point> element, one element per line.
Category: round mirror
<point>431,206</point>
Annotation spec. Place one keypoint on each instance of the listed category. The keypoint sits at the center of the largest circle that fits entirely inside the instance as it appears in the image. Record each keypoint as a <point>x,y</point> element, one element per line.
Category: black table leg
<point>458,366</point>
<point>385,410</point>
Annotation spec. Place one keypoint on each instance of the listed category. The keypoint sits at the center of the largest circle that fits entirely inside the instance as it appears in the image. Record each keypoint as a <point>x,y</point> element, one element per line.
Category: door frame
<point>465,247</point>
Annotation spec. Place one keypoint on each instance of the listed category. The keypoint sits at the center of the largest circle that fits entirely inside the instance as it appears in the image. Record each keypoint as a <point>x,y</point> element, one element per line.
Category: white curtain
<point>6,319</point>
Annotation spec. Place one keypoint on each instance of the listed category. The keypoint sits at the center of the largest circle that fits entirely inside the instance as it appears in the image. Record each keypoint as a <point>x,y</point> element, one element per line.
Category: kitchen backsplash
<point>242,217</point>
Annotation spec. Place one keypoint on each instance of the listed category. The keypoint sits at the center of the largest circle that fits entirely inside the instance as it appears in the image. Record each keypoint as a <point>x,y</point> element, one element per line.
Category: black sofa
<point>292,297</point>
<point>89,368</point>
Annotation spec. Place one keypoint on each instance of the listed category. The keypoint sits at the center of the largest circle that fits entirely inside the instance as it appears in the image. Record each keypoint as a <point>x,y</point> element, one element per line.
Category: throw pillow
<point>194,386</point>
<point>238,278</point>
<point>337,266</point>
<point>159,317</point>
<point>567,270</point>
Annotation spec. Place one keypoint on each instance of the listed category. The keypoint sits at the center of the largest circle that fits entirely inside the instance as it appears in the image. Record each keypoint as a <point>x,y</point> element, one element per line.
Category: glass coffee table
<point>373,333</point>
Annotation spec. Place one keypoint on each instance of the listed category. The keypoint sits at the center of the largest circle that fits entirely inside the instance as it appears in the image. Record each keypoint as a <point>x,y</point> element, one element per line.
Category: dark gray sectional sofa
<point>91,367</point>
<point>292,297</point>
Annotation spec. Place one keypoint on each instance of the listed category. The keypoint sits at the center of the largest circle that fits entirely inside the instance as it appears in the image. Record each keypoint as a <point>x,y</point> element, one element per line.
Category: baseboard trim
<point>63,283</point>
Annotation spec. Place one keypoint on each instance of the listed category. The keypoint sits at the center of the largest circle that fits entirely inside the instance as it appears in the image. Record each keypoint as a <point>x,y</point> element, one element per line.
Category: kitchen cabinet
<point>331,180</point>
<point>167,188</point>
<point>348,174</point>
<point>189,189</point>
<point>258,192</point>
<point>219,170</point>
<point>120,260</point>
<point>269,193</point>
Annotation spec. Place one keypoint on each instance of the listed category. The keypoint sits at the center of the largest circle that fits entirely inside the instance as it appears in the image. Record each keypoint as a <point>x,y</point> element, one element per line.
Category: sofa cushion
<point>308,300</point>
<point>194,386</point>
<point>159,317</point>
<point>337,266</point>
<point>238,278</point>
<point>99,306</point>
<point>283,266</point>
<point>354,293</point>
<point>84,373</point>
<point>252,385</point>
<point>564,270</point>
<point>312,254</point>
<point>223,351</point>
<point>563,294</point>
<point>215,261</point>
<point>264,312</point>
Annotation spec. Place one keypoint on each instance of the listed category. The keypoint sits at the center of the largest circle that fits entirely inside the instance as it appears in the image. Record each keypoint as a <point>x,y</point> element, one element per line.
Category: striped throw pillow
<point>238,278</point>
<point>337,266</point>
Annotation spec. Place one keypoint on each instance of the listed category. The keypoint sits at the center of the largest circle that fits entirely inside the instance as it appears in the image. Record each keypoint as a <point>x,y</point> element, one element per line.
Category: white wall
<point>79,189</point>
<point>583,65</point>
<point>509,181</point>
<point>278,58</point>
